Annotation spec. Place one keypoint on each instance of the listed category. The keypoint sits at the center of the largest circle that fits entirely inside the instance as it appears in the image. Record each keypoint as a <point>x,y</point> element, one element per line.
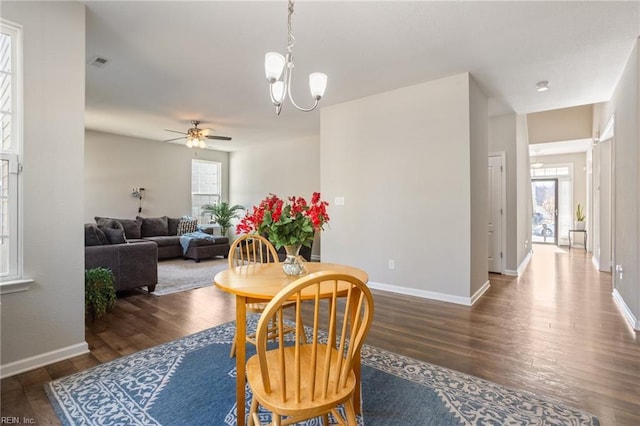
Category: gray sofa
<point>133,265</point>
<point>131,248</point>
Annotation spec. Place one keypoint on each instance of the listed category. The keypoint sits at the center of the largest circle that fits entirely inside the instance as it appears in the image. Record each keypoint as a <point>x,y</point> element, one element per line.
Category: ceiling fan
<point>196,136</point>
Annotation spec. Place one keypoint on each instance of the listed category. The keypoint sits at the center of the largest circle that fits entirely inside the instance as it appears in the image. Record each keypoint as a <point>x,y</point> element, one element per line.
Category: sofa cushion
<point>115,236</point>
<point>132,227</point>
<point>154,226</point>
<point>173,225</point>
<point>165,240</point>
<point>186,226</point>
<point>94,236</point>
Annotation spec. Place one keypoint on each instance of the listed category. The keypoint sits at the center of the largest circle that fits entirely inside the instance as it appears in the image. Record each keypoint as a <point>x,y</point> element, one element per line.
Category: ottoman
<point>206,248</point>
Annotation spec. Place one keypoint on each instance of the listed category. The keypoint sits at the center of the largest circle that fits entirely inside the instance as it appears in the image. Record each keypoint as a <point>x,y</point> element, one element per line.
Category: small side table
<point>584,231</point>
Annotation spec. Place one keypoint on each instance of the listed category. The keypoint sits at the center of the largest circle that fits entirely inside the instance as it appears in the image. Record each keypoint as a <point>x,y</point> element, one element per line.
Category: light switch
<point>338,201</point>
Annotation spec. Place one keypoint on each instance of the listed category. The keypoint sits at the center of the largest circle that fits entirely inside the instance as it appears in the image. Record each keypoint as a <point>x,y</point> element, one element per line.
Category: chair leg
<point>233,346</point>
<point>253,411</point>
<point>325,419</point>
<point>350,412</point>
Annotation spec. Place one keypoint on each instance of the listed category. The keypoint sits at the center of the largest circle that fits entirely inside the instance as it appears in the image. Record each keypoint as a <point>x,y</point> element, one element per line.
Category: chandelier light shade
<point>278,70</point>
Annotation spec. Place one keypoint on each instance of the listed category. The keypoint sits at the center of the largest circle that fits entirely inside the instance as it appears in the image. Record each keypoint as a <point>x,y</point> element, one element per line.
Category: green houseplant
<point>99,291</point>
<point>223,213</point>
<point>580,217</point>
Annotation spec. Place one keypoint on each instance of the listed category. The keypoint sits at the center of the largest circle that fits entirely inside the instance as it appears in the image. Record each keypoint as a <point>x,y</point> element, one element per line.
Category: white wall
<point>46,323</point>
<point>502,138</point>
<point>523,193</point>
<point>284,168</point>
<point>114,164</point>
<point>479,148</point>
<point>625,106</point>
<point>402,162</point>
<point>560,124</point>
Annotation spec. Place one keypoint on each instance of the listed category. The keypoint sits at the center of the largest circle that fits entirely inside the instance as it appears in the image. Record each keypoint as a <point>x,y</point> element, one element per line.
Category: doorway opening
<point>544,226</point>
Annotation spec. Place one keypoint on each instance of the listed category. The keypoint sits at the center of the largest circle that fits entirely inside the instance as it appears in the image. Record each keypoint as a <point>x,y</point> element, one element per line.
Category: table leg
<point>241,354</point>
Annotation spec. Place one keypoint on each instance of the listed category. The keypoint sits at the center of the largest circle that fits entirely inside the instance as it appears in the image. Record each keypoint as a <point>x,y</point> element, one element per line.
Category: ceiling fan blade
<point>174,131</point>
<point>220,138</point>
<point>174,139</point>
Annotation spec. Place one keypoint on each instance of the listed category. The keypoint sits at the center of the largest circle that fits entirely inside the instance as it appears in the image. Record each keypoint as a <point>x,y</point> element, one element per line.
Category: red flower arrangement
<point>286,223</point>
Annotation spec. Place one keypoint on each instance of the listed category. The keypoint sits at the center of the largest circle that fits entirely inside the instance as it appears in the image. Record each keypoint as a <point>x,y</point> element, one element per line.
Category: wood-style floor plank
<point>554,331</point>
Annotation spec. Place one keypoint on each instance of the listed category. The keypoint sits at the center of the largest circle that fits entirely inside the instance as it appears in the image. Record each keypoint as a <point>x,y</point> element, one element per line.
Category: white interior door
<point>496,213</point>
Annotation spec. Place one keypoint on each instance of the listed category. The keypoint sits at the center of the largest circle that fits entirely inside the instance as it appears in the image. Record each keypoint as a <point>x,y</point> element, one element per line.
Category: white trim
<point>466,301</point>
<point>315,258</point>
<point>17,367</point>
<point>481,291</point>
<point>626,312</point>
<point>607,131</point>
<point>15,286</point>
<point>595,262</point>
<point>521,267</point>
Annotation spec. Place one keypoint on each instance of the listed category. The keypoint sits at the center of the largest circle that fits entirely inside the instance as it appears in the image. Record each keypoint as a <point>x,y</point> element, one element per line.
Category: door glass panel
<point>544,227</point>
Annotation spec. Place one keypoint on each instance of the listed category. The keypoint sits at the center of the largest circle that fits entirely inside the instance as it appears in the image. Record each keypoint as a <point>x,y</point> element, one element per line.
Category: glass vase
<point>293,265</point>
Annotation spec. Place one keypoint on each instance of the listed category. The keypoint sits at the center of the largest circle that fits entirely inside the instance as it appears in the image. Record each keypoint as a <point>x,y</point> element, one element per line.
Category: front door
<point>544,225</point>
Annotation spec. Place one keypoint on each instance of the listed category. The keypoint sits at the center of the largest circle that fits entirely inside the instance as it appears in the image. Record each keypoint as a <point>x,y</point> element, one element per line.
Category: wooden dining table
<point>260,283</point>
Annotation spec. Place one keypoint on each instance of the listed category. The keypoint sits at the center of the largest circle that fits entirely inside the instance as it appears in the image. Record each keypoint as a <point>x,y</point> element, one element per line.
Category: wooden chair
<point>251,249</point>
<point>302,381</point>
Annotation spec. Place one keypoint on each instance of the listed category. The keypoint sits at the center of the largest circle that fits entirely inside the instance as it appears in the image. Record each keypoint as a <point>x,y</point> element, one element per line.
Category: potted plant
<point>99,292</point>
<point>289,224</point>
<point>222,213</point>
<point>580,218</point>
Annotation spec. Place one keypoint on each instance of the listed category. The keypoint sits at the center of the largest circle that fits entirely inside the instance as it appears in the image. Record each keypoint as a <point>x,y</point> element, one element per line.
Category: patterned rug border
<point>471,399</point>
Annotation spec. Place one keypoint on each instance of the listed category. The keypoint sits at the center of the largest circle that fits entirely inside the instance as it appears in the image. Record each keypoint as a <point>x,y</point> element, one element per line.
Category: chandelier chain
<point>290,38</point>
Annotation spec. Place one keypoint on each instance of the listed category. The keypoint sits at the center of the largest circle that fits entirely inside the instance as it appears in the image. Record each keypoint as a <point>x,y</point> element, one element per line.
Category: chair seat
<point>306,407</point>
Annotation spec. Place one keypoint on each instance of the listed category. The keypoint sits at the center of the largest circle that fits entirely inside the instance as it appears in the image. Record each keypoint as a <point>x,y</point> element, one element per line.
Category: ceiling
<point>171,62</point>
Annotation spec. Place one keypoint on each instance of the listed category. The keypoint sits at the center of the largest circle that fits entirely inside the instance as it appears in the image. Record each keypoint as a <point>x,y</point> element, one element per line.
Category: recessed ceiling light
<point>542,86</point>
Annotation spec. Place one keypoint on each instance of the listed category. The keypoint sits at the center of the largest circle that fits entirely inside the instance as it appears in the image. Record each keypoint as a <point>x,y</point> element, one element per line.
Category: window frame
<point>13,280</point>
<point>215,197</point>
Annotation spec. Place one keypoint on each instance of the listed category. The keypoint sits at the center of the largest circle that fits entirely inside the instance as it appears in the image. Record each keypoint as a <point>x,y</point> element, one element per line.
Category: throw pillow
<point>186,226</point>
<point>132,227</point>
<point>91,236</point>
<point>115,236</point>
<point>154,226</point>
<point>173,225</point>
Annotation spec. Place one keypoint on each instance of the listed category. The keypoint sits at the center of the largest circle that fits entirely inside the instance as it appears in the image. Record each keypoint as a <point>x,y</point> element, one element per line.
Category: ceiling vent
<point>99,61</point>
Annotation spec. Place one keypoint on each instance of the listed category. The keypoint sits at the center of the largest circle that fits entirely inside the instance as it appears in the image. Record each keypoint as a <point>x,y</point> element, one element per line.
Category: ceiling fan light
<point>202,144</point>
<point>273,66</point>
<point>189,143</point>
<point>317,84</point>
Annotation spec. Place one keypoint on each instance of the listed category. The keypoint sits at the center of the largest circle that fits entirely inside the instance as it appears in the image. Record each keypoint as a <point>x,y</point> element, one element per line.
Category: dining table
<point>260,282</point>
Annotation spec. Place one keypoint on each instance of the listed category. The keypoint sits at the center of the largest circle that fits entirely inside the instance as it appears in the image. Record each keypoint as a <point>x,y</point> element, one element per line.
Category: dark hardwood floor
<point>554,331</point>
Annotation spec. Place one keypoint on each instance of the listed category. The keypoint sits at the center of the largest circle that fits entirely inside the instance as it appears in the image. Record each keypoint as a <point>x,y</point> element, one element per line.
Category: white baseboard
<point>595,262</point>
<point>521,267</point>
<point>626,312</point>
<point>17,367</point>
<point>315,258</point>
<point>467,301</point>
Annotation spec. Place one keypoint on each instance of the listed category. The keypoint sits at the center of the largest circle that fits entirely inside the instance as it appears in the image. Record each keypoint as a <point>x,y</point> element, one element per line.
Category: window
<point>10,143</point>
<point>205,187</point>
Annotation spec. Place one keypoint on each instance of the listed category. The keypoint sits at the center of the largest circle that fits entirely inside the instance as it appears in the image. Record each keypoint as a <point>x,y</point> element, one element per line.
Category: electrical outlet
<point>392,264</point>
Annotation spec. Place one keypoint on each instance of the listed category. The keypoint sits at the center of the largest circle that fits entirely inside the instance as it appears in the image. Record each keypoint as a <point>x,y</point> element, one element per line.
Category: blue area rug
<point>191,381</point>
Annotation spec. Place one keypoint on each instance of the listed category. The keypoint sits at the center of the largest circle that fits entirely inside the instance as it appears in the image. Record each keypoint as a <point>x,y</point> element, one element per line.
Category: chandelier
<point>275,64</point>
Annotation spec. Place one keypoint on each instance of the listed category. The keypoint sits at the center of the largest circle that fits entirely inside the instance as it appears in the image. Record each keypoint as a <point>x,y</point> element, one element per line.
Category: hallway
<point>554,331</point>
